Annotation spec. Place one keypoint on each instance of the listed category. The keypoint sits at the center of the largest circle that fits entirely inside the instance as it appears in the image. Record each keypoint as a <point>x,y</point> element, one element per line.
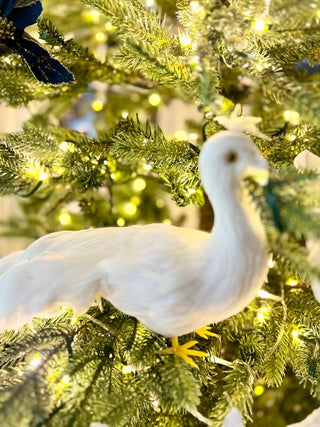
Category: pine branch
<point>147,44</point>
<point>175,161</point>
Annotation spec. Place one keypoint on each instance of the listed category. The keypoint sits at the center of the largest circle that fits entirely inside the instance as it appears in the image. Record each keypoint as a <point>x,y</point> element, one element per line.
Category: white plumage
<point>313,420</point>
<point>308,160</point>
<point>233,418</point>
<point>174,280</point>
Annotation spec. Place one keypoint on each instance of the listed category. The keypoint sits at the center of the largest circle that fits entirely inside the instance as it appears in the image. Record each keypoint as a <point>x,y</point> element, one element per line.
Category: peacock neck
<point>235,215</point>
<point>236,254</point>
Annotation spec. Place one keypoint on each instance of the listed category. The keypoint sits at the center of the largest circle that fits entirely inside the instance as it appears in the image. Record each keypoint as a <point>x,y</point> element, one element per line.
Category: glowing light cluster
<point>36,361</point>
<point>121,222</point>
<point>91,16</point>
<point>181,135</point>
<point>258,390</point>
<point>101,37</point>
<point>139,184</point>
<point>130,208</point>
<point>262,314</point>
<point>154,99</point>
<point>110,27</point>
<point>97,105</point>
<point>197,10</point>
<point>36,172</point>
<point>259,25</point>
<point>292,116</point>
<point>296,334</point>
<point>127,369</point>
<point>65,218</point>
<point>291,282</point>
<point>184,39</point>
<point>66,146</point>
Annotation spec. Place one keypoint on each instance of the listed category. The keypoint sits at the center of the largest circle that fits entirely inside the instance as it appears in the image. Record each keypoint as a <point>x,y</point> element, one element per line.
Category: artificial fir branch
<point>104,367</point>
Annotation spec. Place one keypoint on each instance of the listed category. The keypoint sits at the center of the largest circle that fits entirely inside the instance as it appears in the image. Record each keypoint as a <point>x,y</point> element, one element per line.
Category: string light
<point>127,369</point>
<point>121,222</point>
<point>73,320</point>
<point>194,6</point>
<point>197,10</point>
<point>130,208</point>
<point>64,218</point>
<point>36,361</point>
<point>258,390</point>
<point>181,135</point>
<point>66,146</point>
<point>291,137</point>
<point>101,37</point>
<point>92,16</point>
<point>155,404</point>
<point>292,116</point>
<point>192,191</point>
<point>195,61</point>
<point>259,26</point>
<point>292,282</point>
<point>160,203</point>
<point>97,105</point>
<point>147,167</point>
<point>43,176</point>
<point>36,172</point>
<point>66,380</point>
<point>185,39</point>
<point>167,221</point>
<point>262,314</point>
<point>296,334</point>
<point>262,177</point>
<point>110,27</point>
<point>124,114</point>
<point>139,184</point>
<point>154,99</point>
<point>135,200</point>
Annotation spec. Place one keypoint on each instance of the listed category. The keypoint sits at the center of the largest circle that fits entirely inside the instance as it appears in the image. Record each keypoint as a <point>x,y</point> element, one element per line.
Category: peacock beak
<point>258,170</point>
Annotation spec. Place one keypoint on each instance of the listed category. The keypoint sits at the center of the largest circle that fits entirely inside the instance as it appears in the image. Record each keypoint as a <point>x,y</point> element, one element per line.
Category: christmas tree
<point>97,152</point>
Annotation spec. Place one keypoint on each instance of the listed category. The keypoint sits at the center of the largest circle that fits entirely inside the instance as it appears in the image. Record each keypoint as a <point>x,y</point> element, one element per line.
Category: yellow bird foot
<point>183,351</point>
<point>206,333</point>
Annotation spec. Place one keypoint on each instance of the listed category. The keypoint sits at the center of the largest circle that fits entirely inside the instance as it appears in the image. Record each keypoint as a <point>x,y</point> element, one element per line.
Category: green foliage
<point>104,365</point>
<point>175,161</point>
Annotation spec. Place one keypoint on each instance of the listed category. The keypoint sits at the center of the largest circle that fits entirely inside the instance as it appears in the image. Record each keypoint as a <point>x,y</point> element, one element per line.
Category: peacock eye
<point>231,157</point>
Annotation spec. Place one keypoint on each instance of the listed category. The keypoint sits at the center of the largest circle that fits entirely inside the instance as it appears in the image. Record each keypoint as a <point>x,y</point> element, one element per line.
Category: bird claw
<point>184,351</point>
<point>206,333</point>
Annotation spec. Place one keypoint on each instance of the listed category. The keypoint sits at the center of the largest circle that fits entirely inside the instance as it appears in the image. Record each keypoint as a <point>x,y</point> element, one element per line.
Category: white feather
<point>307,160</point>
<point>313,420</point>
<point>174,280</point>
<point>233,419</point>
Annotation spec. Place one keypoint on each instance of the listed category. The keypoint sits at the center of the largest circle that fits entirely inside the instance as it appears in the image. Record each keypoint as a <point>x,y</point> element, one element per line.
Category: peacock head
<point>227,157</point>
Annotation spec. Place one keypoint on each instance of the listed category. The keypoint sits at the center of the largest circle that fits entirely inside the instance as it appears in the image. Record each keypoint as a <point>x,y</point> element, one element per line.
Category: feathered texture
<point>233,419</point>
<point>174,280</point>
<point>313,420</point>
<point>308,160</point>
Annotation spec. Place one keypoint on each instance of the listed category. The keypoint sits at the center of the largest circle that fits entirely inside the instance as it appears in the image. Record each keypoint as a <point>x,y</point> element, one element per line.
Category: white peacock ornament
<point>174,280</point>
